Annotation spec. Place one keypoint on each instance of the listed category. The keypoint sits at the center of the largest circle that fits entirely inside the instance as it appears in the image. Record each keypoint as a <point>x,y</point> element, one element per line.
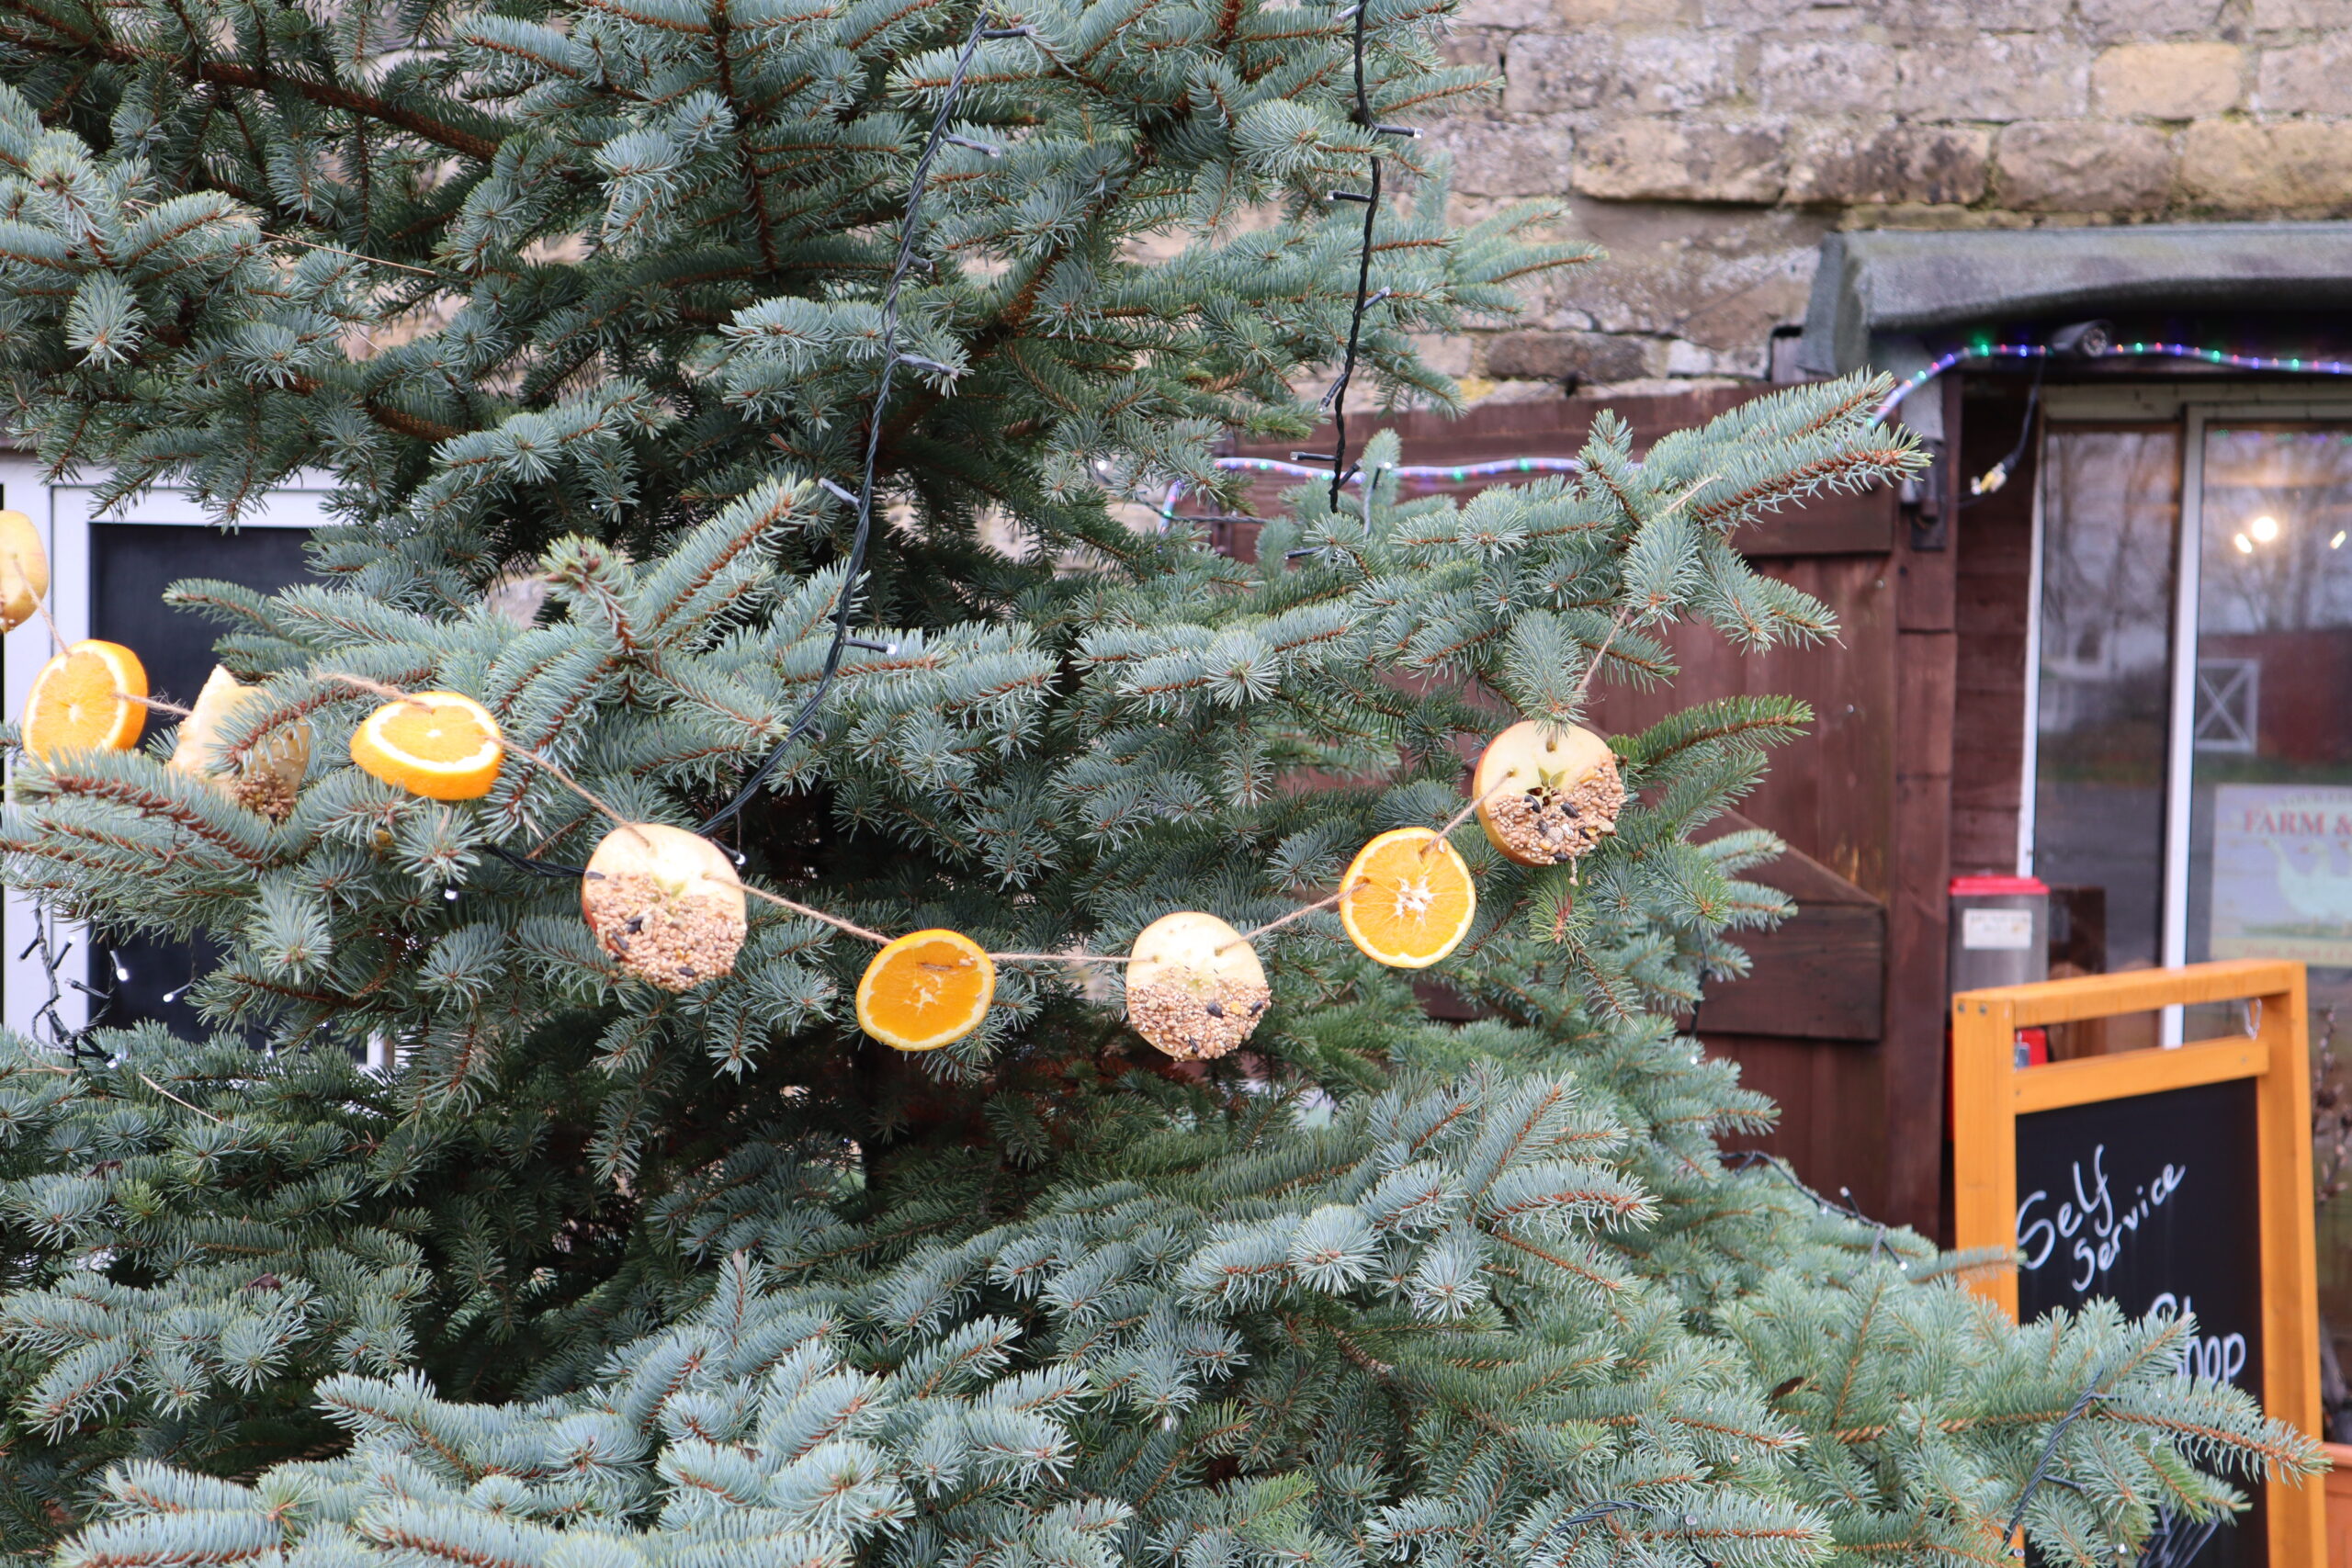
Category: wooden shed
<point>2124,669</point>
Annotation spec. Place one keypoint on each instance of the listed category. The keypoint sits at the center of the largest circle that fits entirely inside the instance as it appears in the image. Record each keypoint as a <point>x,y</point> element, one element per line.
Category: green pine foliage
<point>597,1275</point>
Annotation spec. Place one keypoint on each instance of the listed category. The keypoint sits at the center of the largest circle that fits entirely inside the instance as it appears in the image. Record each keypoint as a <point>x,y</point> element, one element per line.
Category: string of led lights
<point>1335,397</point>
<point>48,1025</point>
<point>905,262</point>
<point>2141,350</point>
<point>1437,473</point>
<point>891,360</point>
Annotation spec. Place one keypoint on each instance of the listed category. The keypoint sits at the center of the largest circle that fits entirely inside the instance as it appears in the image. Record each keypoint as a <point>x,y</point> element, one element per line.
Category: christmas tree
<point>736,407</point>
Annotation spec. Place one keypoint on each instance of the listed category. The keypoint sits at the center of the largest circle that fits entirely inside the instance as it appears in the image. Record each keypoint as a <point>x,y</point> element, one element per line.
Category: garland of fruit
<point>669,907</point>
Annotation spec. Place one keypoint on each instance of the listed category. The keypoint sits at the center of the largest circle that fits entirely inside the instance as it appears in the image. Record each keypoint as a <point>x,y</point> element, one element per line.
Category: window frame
<point>62,515</point>
<point>2190,410</point>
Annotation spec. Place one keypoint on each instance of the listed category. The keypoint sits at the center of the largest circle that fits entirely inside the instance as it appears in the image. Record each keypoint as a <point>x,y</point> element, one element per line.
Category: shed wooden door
<point>1822,1024</point>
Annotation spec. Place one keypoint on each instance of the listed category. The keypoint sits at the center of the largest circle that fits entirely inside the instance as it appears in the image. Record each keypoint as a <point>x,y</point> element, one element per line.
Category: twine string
<point>1468,811</point>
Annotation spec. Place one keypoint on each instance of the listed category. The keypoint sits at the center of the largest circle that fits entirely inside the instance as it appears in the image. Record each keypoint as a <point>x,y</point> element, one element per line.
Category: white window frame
<point>62,515</point>
<point>2192,409</point>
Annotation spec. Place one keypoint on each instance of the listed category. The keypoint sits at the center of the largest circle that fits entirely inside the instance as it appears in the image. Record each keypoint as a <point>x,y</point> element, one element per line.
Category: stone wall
<point>1709,143</point>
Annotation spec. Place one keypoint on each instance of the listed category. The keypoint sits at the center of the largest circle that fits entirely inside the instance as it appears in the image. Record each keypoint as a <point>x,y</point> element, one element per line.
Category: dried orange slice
<point>926,990</point>
<point>269,775</point>
<point>81,701</point>
<point>666,903</point>
<point>436,744</point>
<point>1547,799</point>
<point>1407,899</point>
<point>1195,988</point>
<point>24,570</point>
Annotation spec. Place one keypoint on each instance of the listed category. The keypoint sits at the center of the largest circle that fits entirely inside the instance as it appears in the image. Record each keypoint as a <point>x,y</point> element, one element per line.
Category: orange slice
<point>436,744</point>
<point>926,990</point>
<point>1546,799</point>
<point>1195,988</point>
<point>80,701</point>
<point>666,903</point>
<point>24,570</point>
<point>1407,899</point>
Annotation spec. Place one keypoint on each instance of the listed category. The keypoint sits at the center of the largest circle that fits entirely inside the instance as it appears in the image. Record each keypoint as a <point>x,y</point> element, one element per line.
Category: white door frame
<point>2193,407</point>
<point>62,514</point>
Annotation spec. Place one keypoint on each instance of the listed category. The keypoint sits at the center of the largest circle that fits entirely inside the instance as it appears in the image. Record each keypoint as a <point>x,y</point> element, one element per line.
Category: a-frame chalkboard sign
<point>2165,1181</point>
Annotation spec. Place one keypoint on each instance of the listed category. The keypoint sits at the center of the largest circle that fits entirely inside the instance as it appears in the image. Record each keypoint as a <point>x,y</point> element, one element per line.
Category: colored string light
<point>1438,473</point>
<point>2141,350</point>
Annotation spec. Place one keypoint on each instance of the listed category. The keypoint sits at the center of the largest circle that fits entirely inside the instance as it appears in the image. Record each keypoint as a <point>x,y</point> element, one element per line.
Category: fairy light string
<point>2143,349</point>
<point>909,228</point>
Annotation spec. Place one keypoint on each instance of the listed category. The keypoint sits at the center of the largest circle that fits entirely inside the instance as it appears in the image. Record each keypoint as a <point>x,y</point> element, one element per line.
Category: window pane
<point>132,563</point>
<point>2110,509</point>
<point>2270,804</point>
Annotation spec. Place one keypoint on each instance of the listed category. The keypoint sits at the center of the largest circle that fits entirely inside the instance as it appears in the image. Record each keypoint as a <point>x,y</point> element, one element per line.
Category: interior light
<point>2245,545</point>
<point>2264,528</point>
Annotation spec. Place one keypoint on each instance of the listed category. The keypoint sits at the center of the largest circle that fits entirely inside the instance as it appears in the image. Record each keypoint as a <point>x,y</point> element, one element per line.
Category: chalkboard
<point>2153,1201</point>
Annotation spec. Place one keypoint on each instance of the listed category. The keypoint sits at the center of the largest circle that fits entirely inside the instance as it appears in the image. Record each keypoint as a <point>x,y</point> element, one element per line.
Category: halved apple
<point>1195,988</point>
<point>1545,800</point>
<point>24,570</point>
<point>666,903</point>
<point>270,776</point>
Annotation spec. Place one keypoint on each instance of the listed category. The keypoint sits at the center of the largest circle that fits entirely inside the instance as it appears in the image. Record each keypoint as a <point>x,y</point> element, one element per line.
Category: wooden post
<point>1919,873</point>
<point>2290,1261</point>
<point>1985,1116</point>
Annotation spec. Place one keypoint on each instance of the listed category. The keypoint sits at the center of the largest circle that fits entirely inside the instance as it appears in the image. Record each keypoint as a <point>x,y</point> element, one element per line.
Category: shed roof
<point>1872,282</point>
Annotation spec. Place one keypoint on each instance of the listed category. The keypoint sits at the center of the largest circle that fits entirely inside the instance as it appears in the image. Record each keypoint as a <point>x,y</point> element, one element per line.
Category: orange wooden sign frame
<point>1990,1092</point>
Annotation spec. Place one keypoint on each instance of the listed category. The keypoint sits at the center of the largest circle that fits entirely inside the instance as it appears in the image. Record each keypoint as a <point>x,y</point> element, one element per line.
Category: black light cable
<point>905,262</point>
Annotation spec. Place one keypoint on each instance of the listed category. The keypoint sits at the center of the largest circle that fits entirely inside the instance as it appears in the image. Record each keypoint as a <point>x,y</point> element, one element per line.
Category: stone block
<point>1931,17</point>
<point>1574,357</point>
<point>2083,166</point>
<point>1643,72</point>
<point>1511,16</point>
<point>1747,362</point>
<point>1581,13</point>
<point>1660,160</point>
<point>2306,78</point>
<point>1891,164</point>
<point>1480,47</point>
<point>1721,277</point>
<point>2292,165</point>
<point>1448,353</point>
<point>1994,76</point>
<point>1661,73</point>
<point>1495,158</point>
<point>2112,21</point>
<point>2169,81</point>
<point>1552,73</point>
<point>1825,76</point>
<point>2273,16</point>
<point>1754,16</point>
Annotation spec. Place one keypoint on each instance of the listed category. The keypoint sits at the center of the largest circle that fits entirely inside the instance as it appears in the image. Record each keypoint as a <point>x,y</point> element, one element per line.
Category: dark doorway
<point>131,564</point>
